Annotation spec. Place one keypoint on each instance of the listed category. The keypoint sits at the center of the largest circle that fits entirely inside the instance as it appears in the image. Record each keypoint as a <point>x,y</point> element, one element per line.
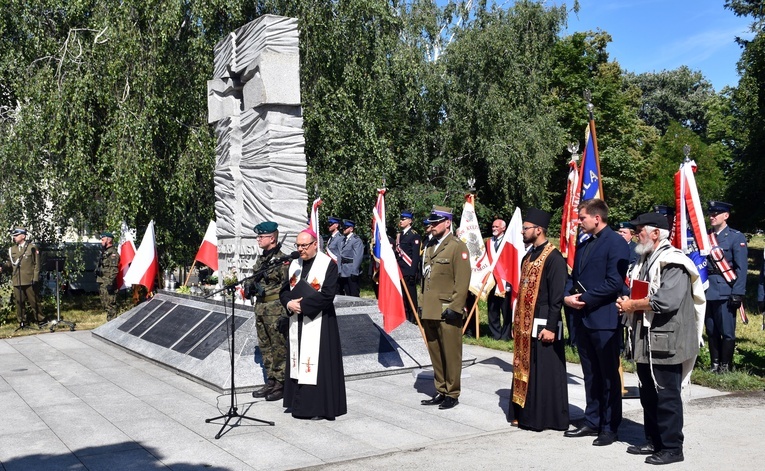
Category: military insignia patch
<point>464,256</point>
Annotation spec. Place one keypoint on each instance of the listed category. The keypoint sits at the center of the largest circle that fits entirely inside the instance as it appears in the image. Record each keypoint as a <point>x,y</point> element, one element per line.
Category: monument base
<point>191,336</point>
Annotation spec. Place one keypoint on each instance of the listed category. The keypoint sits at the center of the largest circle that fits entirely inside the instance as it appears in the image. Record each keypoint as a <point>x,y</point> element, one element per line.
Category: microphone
<point>293,256</point>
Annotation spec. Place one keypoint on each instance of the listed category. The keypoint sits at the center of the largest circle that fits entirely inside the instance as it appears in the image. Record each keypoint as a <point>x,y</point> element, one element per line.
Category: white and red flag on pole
<point>126,249</point>
<point>313,221</point>
<point>390,299</point>
<point>689,219</point>
<point>208,251</point>
<point>569,225</point>
<point>143,271</point>
<point>507,264</point>
<point>469,232</point>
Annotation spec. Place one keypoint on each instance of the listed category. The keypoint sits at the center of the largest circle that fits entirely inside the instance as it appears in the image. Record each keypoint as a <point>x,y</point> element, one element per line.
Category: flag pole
<point>411,304</point>
<point>185,283</point>
<point>593,136</point>
<point>475,305</point>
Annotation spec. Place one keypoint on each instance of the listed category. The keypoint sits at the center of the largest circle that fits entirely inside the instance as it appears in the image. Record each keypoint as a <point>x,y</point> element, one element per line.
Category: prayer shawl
<point>665,255</point>
<point>531,276</point>
<point>305,350</point>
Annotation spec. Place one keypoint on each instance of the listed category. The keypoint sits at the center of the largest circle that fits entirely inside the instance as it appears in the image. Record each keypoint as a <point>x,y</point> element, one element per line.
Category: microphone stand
<point>233,411</point>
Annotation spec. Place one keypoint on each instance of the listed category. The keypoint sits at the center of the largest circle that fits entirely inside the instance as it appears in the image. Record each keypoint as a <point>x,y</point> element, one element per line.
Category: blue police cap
<point>626,225</point>
<point>719,207</point>
<point>349,223</point>
<point>407,215</point>
<point>334,220</point>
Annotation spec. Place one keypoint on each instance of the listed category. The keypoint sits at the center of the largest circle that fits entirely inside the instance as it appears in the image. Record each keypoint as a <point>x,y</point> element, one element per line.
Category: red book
<point>639,290</point>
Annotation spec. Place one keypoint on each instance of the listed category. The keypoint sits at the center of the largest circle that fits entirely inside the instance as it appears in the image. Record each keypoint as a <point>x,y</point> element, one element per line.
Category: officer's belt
<point>270,298</point>
<point>346,260</point>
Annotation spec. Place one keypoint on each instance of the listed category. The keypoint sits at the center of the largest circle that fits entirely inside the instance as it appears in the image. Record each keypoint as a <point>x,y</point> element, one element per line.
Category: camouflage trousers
<point>273,344</point>
<point>108,301</point>
<point>23,295</point>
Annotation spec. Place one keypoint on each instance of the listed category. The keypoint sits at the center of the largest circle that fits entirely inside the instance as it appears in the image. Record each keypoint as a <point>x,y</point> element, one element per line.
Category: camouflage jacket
<point>109,266</point>
<point>273,279</point>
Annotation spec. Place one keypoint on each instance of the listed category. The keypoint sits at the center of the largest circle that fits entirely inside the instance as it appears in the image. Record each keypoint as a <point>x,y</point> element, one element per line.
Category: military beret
<point>438,214</point>
<point>651,219</point>
<point>626,225</point>
<point>334,220</point>
<point>107,234</point>
<point>18,231</point>
<point>407,215</point>
<point>266,227</point>
<point>348,223</point>
<point>719,207</point>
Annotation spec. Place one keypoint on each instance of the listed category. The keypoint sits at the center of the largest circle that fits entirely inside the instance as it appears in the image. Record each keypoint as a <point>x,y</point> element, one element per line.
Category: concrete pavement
<point>70,401</point>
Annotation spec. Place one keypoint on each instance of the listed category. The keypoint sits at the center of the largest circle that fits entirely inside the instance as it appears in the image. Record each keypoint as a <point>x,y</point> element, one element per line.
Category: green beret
<point>107,234</point>
<point>267,227</point>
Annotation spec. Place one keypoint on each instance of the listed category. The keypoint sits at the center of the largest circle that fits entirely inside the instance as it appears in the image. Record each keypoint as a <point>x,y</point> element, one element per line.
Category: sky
<point>656,35</point>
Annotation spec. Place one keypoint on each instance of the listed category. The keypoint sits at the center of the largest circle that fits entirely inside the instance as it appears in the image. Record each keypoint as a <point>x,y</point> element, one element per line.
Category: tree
<point>673,95</point>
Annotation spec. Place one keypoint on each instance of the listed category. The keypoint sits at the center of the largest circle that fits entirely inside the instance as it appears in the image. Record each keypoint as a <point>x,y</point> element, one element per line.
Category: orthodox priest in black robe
<point>540,392</point>
<point>315,383</point>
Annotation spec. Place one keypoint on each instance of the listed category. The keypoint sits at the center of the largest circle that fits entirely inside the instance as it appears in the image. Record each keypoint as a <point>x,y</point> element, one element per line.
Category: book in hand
<point>578,288</point>
<point>541,324</point>
<point>639,290</point>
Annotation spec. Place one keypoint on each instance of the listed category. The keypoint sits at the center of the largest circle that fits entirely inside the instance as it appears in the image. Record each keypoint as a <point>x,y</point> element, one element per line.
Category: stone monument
<point>253,101</point>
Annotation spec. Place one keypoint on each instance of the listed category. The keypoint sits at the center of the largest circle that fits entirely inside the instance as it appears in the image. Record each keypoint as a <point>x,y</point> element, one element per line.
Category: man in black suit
<point>597,280</point>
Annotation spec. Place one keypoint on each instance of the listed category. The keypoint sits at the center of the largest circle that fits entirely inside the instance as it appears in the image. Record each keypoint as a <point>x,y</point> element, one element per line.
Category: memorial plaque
<point>134,320</point>
<point>216,338</point>
<point>177,323</point>
<point>151,319</point>
<point>199,332</point>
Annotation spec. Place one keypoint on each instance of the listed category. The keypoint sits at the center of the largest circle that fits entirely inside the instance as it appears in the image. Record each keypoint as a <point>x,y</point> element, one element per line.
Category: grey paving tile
<point>79,426</point>
<point>40,390</point>
<point>17,416</point>
<point>264,451</point>
<point>38,450</point>
<point>124,460</point>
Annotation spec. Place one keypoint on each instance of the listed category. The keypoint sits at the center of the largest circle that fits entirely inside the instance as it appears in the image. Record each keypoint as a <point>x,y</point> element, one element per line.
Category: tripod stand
<point>57,263</point>
<point>232,411</point>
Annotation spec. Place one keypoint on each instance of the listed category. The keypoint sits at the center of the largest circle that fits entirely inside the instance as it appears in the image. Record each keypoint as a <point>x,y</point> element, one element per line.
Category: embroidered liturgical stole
<point>531,276</point>
<point>304,354</point>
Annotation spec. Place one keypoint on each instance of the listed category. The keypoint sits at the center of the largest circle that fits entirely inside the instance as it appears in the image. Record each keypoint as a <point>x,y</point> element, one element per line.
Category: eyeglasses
<point>304,246</point>
<point>525,228</point>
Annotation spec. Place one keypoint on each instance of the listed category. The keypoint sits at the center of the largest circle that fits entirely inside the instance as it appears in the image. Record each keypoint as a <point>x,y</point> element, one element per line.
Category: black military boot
<point>714,356</point>
<point>264,390</point>
<point>276,393</point>
<point>726,355</point>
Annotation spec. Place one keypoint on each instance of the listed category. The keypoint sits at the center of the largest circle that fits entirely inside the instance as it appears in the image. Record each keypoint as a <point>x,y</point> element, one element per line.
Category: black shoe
<point>644,449</point>
<point>665,457</point>
<point>449,402</point>
<point>264,390</point>
<point>276,393</point>
<point>434,401</point>
<point>583,431</point>
<point>605,438</point>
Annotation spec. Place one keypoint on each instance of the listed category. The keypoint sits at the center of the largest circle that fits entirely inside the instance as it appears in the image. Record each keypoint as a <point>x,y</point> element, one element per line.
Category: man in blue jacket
<point>727,286</point>
<point>597,280</point>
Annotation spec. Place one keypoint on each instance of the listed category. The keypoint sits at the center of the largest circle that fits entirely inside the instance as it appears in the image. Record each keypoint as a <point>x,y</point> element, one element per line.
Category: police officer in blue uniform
<point>408,256</point>
<point>335,240</point>
<point>724,297</point>
<point>627,231</point>
<point>349,260</point>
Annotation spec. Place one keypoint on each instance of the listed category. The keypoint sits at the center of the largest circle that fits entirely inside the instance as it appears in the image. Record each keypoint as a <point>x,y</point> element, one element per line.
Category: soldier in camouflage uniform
<point>108,268</point>
<point>24,267</point>
<point>268,310</point>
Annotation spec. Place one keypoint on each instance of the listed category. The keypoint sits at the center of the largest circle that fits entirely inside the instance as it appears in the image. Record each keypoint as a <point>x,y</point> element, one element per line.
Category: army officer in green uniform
<point>447,278</point>
<point>106,273</point>
<point>24,268</point>
<point>265,288</point>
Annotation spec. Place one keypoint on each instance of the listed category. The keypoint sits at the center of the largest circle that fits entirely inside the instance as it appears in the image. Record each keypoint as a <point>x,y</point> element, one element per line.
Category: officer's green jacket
<point>447,278</point>
<point>24,263</point>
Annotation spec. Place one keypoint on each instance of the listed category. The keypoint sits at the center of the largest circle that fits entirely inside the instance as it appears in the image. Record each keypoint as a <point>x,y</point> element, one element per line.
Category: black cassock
<point>547,396</point>
<point>326,398</point>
